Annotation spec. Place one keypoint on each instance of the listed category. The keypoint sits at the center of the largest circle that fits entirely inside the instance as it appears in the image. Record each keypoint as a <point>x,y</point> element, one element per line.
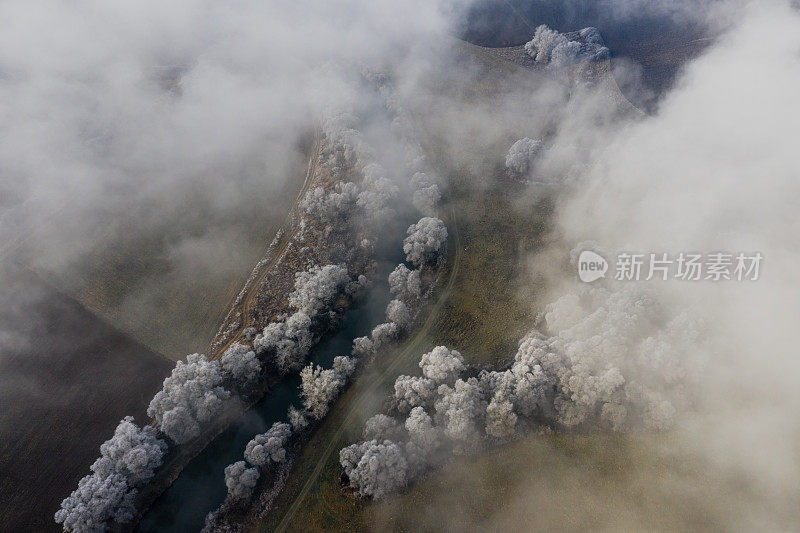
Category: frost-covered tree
<point>330,206</point>
<point>427,199</point>
<point>351,455</point>
<point>191,396</point>
<point>319,387</point>
<point>180,424</point>
<point>383,334</point>
<point>289,341</point>
<point>378,193</point>
<point>492,382</point>
<point>421,430</point>
<point>521,157</point>
<point>132,452</point>
<point>544,41</point>
<point>610,361</point>
<point>500,417</point>
<point>442,365</point>
<point>362,346</point>
<point>318,287</point>
<point>96,502</point>
<point>595,44</point>
<point>297,329</point>
<point>344,366</point>
<point>405,284</point>
<point>426,241</point>
<point>605,362</point>
<point>532,387</point>
<point>297,418</point>
<point>315,204</point>
<point>592,35</point>
<point>297,341</point>
<point>342,145</point>
<point>269,446</point>
<point>241,363</point>
<point>380,471</point>
<point>551,47</point>
<point>460,410</point>
<point>272,336</point>
<point>316,290</point>
<point>340,151</point>
<point>398,313</point>
<point>420,180</point>
<point>587,374</point>
<point>566,54</point>
<point>426,195</point>
<point>240,480</point>
<point>381,427</point>
<point>413,391</point>
<point>377,203</point>
<point>359,284</point>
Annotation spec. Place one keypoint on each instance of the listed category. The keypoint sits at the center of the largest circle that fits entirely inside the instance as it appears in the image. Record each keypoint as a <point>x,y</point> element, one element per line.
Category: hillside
<point>169,281</point>
<point>648,47</point>
<point>68,378</point>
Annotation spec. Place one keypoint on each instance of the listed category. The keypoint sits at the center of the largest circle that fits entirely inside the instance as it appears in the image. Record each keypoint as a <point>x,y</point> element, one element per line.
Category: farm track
<point>410,350</point>
<point>246,304</point>
<point>176,464</point>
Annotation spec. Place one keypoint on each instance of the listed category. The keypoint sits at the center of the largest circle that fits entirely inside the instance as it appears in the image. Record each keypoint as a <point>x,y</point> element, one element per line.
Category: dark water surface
<point>200,488</point>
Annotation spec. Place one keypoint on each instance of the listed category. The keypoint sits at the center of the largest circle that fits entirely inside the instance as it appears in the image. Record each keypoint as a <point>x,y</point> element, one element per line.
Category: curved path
<point>243,306</point>
<point>177,463</point>
<point>410,350</point>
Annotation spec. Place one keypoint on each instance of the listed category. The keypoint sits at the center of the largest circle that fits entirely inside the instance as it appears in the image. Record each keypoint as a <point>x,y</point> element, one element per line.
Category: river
<point>200,488</point>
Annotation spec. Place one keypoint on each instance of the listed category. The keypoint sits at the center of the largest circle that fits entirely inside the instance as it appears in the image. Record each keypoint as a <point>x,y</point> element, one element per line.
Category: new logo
<point>591,266</point>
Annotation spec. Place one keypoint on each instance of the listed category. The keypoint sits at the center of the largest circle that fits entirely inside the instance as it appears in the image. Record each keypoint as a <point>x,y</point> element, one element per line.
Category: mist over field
<point>716,169</point>
<point>150,151</point>
<point>148,145</point>
<point>711,169</point>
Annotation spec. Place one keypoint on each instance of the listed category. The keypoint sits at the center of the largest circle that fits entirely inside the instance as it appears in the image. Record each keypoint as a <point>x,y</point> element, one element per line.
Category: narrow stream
<point>200,488</point>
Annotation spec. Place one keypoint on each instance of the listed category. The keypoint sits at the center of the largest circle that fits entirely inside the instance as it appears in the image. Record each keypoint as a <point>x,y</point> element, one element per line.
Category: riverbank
<point>199,488</point>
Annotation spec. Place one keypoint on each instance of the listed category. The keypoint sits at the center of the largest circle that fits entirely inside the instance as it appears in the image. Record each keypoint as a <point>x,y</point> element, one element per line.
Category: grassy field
<point>567,483</point>
<point>490,309</point>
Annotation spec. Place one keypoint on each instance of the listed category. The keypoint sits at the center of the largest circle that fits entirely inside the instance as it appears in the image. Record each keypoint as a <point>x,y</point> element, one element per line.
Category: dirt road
<point>244,306</point>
